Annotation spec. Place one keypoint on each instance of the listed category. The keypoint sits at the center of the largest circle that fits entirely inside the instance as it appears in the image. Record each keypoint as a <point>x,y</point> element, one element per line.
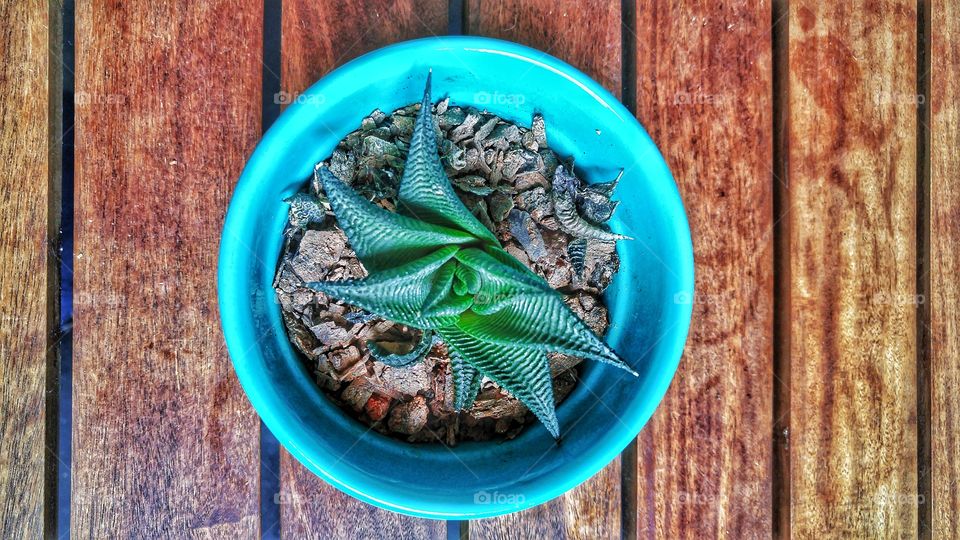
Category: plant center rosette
<point>432,265</point>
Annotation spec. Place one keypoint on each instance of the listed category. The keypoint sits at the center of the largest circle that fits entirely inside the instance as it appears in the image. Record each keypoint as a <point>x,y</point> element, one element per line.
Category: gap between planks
<point>924,461</point>
<point>781,276</point>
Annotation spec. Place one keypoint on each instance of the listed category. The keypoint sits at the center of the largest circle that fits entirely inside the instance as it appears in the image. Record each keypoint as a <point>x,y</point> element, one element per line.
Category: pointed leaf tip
<point>425,192</point>
<point>397,294</point>
<point>425,102</point>
<point>526,375</point>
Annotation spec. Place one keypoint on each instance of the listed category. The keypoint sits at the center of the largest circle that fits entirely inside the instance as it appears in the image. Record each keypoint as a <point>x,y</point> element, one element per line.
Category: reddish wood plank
<point>945,267</point>
<point>583,33</point>
<point>704,92</point>
<point>317,37</point>
<point>851,228</point>
<point>586,34</point>
<point>168,107</point>
<point>29,211</point>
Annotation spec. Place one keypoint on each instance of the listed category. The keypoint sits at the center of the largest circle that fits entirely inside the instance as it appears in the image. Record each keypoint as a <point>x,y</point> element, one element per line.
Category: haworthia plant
<point>436,267</point>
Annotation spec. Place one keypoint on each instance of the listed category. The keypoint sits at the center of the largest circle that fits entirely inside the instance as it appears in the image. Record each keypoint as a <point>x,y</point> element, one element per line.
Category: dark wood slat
<point>168,108</point>
<point>852,168</point>
<point>317,37</point>
<point>29,211</point>
<point>704,92</point>
<point>587,35</point>
<point>945,267</point>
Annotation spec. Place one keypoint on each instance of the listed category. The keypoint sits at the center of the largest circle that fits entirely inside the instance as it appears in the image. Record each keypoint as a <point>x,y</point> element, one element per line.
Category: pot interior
<point>649,300</point>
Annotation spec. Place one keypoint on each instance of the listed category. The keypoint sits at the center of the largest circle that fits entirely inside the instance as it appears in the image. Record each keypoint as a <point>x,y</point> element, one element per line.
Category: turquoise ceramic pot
<point>649,301</point>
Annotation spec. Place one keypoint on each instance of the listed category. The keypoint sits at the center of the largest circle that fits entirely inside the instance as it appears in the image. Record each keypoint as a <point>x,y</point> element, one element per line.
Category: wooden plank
<point>29,211</point>
<point>944,267</point>
<point>586,34</point>
<point>168,108</point>
<point>589,511</point>
<point>704,92</point>
<point>583,33</point>
<point>317,37</point>
<point>851,228</point>
<point>312,508</point>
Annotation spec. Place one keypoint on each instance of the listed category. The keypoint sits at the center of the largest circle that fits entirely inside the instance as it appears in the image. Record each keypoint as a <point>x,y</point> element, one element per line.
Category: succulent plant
<point>434,266</point>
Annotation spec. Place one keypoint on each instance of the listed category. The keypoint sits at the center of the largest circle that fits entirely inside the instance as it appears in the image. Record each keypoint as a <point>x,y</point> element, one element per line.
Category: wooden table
<point>816,148</point>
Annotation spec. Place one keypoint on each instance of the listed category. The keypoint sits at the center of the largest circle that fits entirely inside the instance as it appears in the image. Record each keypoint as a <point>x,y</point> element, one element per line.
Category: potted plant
<point>435,267</point>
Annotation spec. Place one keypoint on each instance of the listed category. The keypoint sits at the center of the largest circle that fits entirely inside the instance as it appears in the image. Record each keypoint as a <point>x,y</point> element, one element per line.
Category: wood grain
<point>852,239</point>
<point>585,34</point>
<point>704,92</point>
<point>317,37</point>
<point>945,267</point>
<point>314,509</point>
<point>29,213</point>
<point>589,511</point>
<point>168,108</point>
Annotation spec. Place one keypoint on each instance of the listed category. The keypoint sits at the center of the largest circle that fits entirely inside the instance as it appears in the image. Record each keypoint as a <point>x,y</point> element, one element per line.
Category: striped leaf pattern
<point>397,294</point>
<point>466,381</point>
<point>382,238</point>
<point>525,373</point>
<point>425,190</point>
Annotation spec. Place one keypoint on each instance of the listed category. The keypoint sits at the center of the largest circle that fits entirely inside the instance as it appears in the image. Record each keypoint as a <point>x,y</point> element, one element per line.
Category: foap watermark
<point>712,498</point>
<point>699,98</point>
<point>86,99</point>
<point>101,300</point>
<point>484,298</point>
<point>697,499</point>
<point>289,98</point>
<point>886,97</point>
<point>687,297</point>
<point>281,498</point>
<point>898,299</point>
<point>498,98</point>
<point>495,497</point>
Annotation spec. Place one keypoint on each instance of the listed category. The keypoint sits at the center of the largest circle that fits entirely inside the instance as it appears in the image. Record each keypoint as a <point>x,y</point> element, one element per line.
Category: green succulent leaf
<point>425,190</point>
<point>442,283</point>
<point>502,282</point>
<point>466,382</point>
<point>541,321</point>
<point>443,299</point>
<point>467,282</point>
<point>526,375</point>
<point>452,305</point>
<point>381,238</point>
<point>398,294</point>
<point>418,353</point>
